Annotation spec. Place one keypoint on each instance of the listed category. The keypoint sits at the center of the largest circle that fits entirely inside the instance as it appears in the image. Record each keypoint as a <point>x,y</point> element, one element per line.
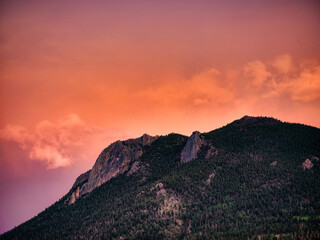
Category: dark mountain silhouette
<point>254,178</point>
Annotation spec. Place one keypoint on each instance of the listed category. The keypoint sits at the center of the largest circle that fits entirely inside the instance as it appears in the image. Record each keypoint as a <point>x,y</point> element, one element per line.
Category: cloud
<point>66,131</point>
<point>306,87</point>
<point>53,156</point>
<point>257,72</point>
<point>255,84</point>
<point>302,84</point>
<point>51,142</point>
<point>17,134</point>
<point>283,63</point>
<point>303,87</point>
<point>203,89</point>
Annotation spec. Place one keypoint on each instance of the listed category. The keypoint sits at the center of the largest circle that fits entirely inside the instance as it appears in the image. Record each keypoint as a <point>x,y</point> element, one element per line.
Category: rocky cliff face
<point>112,161</point>
<point>74,196</point>
<point>80,181</point>
<point>194,143</point>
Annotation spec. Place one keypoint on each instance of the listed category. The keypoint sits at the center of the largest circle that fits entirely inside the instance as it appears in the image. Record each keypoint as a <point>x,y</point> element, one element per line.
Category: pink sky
<point>78,75</point>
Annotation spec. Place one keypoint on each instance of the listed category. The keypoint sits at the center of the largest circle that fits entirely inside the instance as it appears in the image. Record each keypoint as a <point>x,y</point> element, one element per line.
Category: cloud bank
<point>256,81</point>
<point>256,87</point>
<point>278,79</point>
<point>51,142</point>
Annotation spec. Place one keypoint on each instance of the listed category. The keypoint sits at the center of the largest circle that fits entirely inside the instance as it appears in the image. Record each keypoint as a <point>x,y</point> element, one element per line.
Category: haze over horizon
<point>78,75</point>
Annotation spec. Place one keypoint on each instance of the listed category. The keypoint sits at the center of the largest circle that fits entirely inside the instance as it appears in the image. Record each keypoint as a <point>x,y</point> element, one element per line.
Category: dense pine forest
<point>256,178</point>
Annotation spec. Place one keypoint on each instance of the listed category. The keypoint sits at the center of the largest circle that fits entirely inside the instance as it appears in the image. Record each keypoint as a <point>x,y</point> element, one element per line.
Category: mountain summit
<point>254,178</point>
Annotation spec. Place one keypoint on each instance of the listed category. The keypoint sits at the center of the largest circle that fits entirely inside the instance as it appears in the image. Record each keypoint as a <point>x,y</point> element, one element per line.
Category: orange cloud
<point>203,89</point>
<point>17,134</point>
<point>306,87</point>
<point>283,63</point>
<point>52,141</point>
<point>53,156</point>
<point>256,71</point>
<point>302,84</point>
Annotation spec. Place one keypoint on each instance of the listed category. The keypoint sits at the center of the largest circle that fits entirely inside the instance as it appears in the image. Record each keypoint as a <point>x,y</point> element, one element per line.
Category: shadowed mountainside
<point>254,177</point>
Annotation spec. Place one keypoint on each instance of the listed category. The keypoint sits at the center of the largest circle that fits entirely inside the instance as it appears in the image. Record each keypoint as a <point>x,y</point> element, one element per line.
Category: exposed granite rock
<point>83,178</point>
<point>273,164</point>
<point>158,186</point>
<point>211,176</point>
<point>171,203</point>
<point>72,199</point>
<point>144,140</point>
<point>307,164</point>
<point>78,193</point>
<point>147,139</point>
<point>74,196</point>
<point>190,150</point>
<point>134,168</point>
<point>161,191</point>
<point>112,161</point>
<point>195,142</point>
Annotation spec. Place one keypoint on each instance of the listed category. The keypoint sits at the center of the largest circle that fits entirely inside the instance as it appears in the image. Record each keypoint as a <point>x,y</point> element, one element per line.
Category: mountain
<point>255,178</point>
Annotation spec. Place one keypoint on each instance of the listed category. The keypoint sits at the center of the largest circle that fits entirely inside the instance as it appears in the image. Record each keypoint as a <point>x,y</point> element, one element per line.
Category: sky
<point>77,75</point>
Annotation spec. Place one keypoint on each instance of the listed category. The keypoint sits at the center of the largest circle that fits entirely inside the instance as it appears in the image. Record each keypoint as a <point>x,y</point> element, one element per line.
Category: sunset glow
<point>78,75</point>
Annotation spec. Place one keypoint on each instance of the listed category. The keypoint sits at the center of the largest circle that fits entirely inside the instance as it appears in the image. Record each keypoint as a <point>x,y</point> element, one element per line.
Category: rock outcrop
<point>274,163</point>
<point>193,145</point>
<point>134,168</point>
<point>74,196</point>
<point>211,176</point>
<point>113,160</point>
<point>83,178</point>
<point>191,149</point>
<point>307,164</point>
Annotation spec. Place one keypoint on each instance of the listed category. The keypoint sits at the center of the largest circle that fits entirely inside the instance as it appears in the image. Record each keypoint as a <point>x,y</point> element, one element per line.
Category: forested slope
<point>262,180</point>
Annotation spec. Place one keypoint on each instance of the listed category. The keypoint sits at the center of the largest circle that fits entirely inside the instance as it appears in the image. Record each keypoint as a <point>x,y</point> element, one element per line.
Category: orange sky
<point>77,75</point>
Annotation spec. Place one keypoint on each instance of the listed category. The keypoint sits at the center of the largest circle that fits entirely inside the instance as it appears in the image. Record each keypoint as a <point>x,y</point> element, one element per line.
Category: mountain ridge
<point>256,176</point>
<point>188,154</point>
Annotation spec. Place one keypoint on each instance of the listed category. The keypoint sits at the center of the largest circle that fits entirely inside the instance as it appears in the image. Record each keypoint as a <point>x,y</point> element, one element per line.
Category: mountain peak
<point>146,139</point>
<point>250,120</point>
